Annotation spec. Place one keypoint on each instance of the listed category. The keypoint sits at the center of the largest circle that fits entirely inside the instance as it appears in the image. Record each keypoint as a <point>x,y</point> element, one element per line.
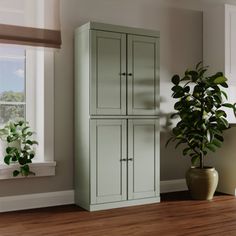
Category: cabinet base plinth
<point>112,205</point>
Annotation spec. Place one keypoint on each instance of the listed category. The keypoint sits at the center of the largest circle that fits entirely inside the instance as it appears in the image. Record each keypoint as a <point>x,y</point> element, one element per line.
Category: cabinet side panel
<point>82,194</point>
<point>214,39</point>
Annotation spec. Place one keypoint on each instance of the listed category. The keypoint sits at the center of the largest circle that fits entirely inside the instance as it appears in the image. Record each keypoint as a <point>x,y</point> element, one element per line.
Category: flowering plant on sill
<point>19,146</point>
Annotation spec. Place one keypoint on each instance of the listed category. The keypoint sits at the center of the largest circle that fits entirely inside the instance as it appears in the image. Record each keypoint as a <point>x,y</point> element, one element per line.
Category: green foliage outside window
<point>11,112</point>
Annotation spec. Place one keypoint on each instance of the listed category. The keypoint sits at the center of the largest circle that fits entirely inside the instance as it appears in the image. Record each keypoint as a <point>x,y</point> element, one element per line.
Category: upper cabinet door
<point>108,77</point>
<point>143,75</point>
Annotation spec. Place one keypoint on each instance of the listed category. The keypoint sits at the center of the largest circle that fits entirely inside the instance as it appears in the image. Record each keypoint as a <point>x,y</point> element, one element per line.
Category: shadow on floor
<point>180,196</point>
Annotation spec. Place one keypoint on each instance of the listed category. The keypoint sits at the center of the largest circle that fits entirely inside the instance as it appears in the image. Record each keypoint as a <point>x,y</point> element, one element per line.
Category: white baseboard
<point>38,200</point>
<point>174,185</point>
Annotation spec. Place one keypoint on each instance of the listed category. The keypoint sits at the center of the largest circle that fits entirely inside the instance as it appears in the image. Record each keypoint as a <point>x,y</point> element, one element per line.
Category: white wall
<point>181,47</point>
<point>199,5</point>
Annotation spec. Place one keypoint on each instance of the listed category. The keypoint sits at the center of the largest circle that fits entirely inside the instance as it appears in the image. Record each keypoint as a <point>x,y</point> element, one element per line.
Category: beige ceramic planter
<point>202,183</point>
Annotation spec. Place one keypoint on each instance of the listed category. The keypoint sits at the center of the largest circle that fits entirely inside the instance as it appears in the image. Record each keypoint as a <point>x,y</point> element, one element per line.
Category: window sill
<point>39,168</point>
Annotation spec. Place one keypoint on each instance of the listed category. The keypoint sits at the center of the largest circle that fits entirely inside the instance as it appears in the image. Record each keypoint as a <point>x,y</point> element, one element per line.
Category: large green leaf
<point>16,173</point>
<point>175,79</point>
<point>202,72</point>
<point>178,105</point>
<point>225,94</point>
<point>10,150</point>
<point>217,143</point>
<point>220,80</point>
<point>22,160</point>
<point>186,89</point>
<point>220,113</point>
<point>186,78</point>
<point>217,98</point>
<point>178,94</point>
<point>224,122</point>
<point>212,119</point>
<point>176,131</point>
<point>194,75</point>
<point>211,147</point>
<point>229,105</point>
<point>219,137</point>
<point>199,65</point>
<point>225,85</point>
<point>7,159</point>
<point>168,141</point>
<point>186,150</point>
<point>195,159</point>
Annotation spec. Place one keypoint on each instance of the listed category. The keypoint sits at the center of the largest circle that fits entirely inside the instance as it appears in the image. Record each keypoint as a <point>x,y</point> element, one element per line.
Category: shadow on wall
<point>181,47</point>
<point>181,35</point>
<point>224,160</point>
<point>173,164</point>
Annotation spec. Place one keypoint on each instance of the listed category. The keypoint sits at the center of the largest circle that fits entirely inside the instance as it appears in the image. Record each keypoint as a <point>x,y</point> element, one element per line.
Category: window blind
<point>30,22</point>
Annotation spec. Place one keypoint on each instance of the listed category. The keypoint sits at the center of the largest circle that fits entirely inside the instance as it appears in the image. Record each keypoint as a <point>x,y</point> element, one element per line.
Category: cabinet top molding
<point>118,28</point>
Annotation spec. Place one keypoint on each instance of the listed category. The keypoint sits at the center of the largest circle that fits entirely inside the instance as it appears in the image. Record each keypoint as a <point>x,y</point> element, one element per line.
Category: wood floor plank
<point>176,215</point>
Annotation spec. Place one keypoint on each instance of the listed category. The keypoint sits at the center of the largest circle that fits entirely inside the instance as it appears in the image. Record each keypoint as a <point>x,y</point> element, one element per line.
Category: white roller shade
<point>30,22</point>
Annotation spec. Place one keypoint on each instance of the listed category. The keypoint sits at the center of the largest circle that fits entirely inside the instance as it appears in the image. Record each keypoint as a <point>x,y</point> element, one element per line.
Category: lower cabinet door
<point>143,158</point>
<point>108,160</point>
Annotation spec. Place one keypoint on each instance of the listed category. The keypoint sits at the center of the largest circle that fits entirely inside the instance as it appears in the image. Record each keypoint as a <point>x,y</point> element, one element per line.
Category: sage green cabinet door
<point>108,170</point>
<point>108,63</point>
<point>143,75</point>
<point>143,154</point>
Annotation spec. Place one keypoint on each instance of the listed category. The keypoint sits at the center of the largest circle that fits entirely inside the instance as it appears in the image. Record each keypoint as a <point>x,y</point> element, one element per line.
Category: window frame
<point>9,58</point>
<point>40,99</point>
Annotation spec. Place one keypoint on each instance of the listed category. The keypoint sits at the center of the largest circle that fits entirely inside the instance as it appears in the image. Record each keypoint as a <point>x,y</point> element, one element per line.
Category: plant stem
<point>202,113</point>
<point>201,160</point>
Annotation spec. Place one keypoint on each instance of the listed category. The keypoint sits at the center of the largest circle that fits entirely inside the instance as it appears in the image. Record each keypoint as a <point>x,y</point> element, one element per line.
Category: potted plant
<point>18,146</point>
<point>201,122</point>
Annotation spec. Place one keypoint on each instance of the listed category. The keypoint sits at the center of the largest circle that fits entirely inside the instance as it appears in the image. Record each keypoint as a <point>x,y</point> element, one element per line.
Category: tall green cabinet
<point>116,116</point>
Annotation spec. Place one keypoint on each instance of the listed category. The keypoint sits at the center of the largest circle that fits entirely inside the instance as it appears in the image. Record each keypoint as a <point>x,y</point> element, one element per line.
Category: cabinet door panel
<point>108,85</point>
<point>143,80</point>
<point>108,172</point>
<point>143,148</point>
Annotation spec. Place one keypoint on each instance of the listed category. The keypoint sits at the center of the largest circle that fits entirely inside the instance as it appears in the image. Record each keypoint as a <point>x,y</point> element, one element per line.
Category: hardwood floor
<point>175,215</point>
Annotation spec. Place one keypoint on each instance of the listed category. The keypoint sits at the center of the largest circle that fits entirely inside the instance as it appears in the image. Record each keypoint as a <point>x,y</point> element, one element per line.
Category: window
<point>12,84</point>
<point>26,92</point>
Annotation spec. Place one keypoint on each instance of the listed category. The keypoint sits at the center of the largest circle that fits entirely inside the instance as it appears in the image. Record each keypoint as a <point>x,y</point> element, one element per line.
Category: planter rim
<point>205,168</point>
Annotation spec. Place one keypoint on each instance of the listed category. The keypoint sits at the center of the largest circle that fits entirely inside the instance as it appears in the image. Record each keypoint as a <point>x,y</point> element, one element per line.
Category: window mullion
<point>12,103</point>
